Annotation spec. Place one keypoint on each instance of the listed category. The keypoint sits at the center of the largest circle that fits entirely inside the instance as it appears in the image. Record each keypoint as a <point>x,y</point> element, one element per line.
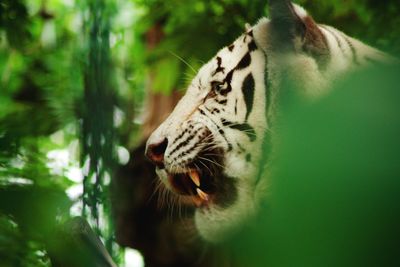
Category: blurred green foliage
<point>97,134</point>
<point>42,64</point>
<point>196,29</point>
<point>43,103</point>
<point>373,22</point>
<point>335,185</point>
<point>193,31</point>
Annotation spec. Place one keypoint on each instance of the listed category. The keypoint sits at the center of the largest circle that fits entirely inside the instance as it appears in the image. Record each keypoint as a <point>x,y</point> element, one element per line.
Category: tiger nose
<point>155,152</point>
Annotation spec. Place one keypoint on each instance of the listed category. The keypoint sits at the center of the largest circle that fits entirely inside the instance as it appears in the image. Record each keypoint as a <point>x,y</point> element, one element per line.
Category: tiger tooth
<point>195,177</point>
<point>201,194</point>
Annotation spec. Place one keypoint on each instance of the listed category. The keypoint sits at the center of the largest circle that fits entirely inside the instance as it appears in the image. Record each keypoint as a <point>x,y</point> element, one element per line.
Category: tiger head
<point>209,146</point>
<point>208,151</point>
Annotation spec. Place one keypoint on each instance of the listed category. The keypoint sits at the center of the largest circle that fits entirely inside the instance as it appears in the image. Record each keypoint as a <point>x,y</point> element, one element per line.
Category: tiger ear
<point>292,28</point>
<point>287,22</point>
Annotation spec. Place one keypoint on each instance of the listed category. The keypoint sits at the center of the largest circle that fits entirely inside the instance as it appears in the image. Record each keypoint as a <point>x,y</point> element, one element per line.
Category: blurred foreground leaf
<point>336,187</point>
<point>28,217</point>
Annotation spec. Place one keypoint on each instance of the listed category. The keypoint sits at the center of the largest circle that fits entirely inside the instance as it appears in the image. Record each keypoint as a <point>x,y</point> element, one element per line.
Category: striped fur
<point>224,108</point>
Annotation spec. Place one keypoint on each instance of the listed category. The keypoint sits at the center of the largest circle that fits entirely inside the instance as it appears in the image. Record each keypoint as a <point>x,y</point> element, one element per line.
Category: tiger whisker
<point>212,161</point>
<point>184,61</point>
<point>156,190</point>
<point>213,154</point>
<point>205,166</point>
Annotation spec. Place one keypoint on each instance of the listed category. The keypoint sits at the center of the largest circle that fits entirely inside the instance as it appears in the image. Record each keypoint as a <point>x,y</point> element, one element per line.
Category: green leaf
<point>166,75</point>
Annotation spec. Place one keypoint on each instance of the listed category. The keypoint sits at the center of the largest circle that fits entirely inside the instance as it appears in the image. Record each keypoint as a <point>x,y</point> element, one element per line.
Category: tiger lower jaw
<point>193,186</point>
<point>219,212</point>
<point>217,223</point>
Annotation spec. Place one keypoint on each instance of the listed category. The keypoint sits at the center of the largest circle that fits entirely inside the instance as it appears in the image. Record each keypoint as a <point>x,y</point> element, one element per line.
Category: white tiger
<point>209,149</point>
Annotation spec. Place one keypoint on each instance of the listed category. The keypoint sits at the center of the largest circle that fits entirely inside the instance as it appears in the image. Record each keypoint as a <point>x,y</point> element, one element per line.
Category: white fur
<point>300,11</point>
<point>215,223</point>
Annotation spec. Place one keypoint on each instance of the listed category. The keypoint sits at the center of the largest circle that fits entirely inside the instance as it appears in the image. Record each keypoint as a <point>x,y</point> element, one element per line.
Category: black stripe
<point>222,102</point>
<point>338,41</point>
<point>244,62</point>
<point>227,80</point>
<point>241,148</point>
<point>182,144</point>
<point>353,50</point>
<point>207,109</point>
<point>244,127</point>
<point>247,129</point>
<point>252,46</point>
<point>185,152</point>
<point>266,147</point>
<point>212,111</point>
<point>180,136</point>
<point>215,110</point>
<point>230,48</point>
<point>219,130</point>
<point>236,106</point>
<point>248,93</point>
<point>219,68</point>
<point>248,157</point>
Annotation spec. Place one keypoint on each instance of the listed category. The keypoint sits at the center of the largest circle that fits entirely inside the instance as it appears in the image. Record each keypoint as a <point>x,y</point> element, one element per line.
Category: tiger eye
<point>217,86</point>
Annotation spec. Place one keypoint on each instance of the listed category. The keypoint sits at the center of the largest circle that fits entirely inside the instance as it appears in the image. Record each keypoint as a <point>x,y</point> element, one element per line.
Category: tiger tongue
<point>194,176</point>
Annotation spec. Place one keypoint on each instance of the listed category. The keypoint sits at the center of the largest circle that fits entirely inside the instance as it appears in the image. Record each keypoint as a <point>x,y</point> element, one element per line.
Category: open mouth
<point>197,183</point>
<point>204,186</point>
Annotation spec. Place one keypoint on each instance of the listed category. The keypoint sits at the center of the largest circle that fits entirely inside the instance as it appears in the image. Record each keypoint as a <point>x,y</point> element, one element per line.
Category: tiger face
<point>208,151</point>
